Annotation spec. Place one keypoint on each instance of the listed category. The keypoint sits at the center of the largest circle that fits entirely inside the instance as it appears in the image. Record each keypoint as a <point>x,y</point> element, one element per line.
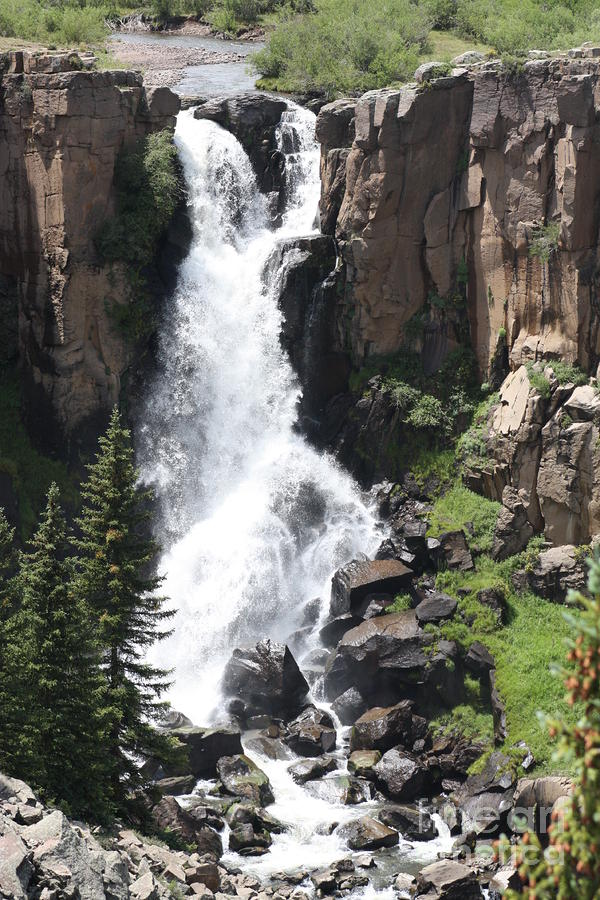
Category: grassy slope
<point>532,640</point>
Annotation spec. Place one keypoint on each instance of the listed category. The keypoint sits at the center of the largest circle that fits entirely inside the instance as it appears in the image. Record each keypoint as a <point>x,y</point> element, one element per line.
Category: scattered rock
<point>354,582</point>
<point>367,834</point>
<point>448,880</point>
<point>309,769</point>
<point>451,551</point>
<point>413,822</point>
<point>557,571</point>
<point>311,733</point>
<point>494,599</point>
<point>349,706</point>
<point>206,746</point>
<point>479,659</point>
<point>362,762</point>
<point>242,778</point>
<point>400,775</point>
<point>382,728</point>
<point>435,608</point>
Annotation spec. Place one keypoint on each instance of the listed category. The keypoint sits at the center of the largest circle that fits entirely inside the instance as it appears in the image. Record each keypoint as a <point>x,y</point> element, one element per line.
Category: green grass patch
<point>538,381</point>
<point>445,45</point>
<point>566,374</point>
<point>401,603</point>
<point>532,641</point>
<point>472,718</point>
<point>459,508</point>
<point>31,472</point>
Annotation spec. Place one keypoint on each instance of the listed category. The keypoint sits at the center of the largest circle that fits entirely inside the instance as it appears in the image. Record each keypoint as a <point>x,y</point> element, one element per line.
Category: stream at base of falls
<point>253,520</point>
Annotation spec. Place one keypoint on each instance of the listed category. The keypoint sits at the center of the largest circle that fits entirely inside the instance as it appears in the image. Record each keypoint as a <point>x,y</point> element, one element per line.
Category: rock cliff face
<point>60,133</point>
<point>479,189</point>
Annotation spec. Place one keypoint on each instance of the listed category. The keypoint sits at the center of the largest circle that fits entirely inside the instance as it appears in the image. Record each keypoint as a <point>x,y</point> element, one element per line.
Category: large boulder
<point>557,571</point>
<point>349,706</point>
<point>341,789</point>
<point>362,762</point>
<point>367,834</point>
<point>309,769</point>
<point>435,608</point>
<point>382,728</point>
<point>168,816</point>
<point>380,654</point>
<point>311,733</point>
<point>413,822</point>
<point>448,880</point>
<point>400,775</point>
<point>354,583</point>
<point>486,799</point>
<point>266,678</point>
<point>513,530</point>
<point>205,746</point>
<point>16,868</point>
<point>242,778</point>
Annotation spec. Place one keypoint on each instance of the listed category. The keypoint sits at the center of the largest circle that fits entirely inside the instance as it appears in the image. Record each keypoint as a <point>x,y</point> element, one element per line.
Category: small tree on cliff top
<point>570,866</point>
<point>114,575</point>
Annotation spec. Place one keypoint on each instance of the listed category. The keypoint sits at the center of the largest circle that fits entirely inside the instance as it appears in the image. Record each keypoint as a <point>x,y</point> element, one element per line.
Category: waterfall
<point>253,521</point>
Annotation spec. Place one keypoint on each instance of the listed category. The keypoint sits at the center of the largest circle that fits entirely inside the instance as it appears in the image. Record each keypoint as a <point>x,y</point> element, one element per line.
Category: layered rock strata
<point>475,191</point>
<point>61,130</point>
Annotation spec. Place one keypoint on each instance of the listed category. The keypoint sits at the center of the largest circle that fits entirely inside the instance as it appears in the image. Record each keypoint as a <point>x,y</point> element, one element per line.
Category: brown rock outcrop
<point>61,130</point>
<point>443,191</point>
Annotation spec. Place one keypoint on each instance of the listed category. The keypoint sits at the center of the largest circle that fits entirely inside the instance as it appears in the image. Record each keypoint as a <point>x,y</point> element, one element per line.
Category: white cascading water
<point>254,521</point>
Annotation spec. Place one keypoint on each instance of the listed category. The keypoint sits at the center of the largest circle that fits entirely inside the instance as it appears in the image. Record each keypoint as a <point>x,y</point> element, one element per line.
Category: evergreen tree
<point>55,669</point>
<point>570,866</point>
<point>8,700</point>
<point>114,575</point>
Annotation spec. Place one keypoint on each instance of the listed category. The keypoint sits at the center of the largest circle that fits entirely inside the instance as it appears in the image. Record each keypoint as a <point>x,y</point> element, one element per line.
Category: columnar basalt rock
<point>61,130</point>
<point>442,190</point>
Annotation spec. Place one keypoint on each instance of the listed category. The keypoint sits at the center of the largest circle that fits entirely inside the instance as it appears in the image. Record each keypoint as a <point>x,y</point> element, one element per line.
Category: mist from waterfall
<point>253,520</point>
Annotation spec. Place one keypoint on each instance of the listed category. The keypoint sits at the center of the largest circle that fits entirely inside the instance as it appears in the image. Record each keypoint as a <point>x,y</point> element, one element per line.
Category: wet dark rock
<point>252,117</point>
<point>243,839</point>
<point>486,799</point>
<point>349,706</point>
<point>344,789</point>
<point>248,814</point>
<point>266,678</point>
<point>451,551</point>
<point>243,778</point>
<point>309,769</point>
<point>413,822</point>
<point>205,813</point>
<point>452,755</point>
<point>382,728</point>
<point>368,834</point>
<point>205,746</point>
<point>435,608</point>
<point>311,733</point>
<point>353,582</point>
<point>400,775</point>
<point>378,655</point>
<point>374,605</point>
<point>479,659</point>
<point>332,633</point>
<point>362,762</point>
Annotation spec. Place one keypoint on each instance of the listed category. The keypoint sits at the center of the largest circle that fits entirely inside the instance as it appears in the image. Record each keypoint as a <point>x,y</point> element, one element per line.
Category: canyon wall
<point>61,129</point>
<point>440,193</point>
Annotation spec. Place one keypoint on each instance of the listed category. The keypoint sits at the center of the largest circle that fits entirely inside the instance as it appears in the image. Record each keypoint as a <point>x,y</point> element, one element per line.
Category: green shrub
<point>544,241</point>
<point>345,47</point>
<point>566,374</point>
<point>428,413</point>
<point>60,24</point>
<point>538,381</point>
